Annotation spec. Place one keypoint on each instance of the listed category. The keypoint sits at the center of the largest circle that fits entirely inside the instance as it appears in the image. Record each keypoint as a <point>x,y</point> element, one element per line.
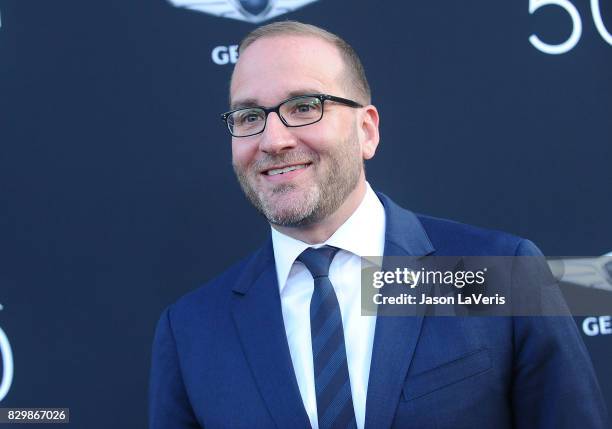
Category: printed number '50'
<point>574,37</point>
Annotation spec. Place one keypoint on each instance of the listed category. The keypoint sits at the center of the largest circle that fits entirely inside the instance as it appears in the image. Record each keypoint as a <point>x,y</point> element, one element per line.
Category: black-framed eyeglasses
<point>293,112</point>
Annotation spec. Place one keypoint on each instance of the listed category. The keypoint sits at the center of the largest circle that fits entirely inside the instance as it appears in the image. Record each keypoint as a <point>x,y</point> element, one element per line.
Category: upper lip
<point>277,167</point>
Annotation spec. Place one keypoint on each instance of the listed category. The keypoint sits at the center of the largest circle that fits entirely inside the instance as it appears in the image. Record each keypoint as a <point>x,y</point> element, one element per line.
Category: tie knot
<point>318,260</point>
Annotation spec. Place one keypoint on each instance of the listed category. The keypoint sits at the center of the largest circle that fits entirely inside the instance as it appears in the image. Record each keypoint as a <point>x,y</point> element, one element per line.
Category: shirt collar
<point>362,234</point>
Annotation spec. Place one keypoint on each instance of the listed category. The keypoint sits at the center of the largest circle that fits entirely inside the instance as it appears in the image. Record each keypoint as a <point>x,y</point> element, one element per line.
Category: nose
<point>276,137</point>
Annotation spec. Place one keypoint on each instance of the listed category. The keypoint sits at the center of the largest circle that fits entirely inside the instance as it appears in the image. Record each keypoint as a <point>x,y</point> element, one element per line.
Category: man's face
<point>327,155</point>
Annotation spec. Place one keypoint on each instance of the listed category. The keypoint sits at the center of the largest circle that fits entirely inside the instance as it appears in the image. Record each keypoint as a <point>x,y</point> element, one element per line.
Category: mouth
<point>280,170</point>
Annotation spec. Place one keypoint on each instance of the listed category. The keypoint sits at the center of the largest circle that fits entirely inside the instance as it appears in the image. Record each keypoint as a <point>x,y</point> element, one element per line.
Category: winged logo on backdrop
<point>591,273</point>
<point>254,11</point>
<point>586,272</point>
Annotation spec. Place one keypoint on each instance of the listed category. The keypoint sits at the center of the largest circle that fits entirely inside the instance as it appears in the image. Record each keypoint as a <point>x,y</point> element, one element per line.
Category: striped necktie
<point>332,384</point>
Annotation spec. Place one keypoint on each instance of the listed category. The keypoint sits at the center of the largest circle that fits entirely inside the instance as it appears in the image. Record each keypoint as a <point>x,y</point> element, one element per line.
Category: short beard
<point>330,190</point>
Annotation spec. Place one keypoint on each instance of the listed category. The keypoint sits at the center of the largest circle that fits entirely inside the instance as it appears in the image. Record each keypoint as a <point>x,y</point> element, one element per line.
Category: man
<point>278,340</point>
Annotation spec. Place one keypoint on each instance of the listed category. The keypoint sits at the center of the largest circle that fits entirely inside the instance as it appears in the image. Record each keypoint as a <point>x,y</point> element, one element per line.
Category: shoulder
<point>451,237</point>
<point>428,234</point>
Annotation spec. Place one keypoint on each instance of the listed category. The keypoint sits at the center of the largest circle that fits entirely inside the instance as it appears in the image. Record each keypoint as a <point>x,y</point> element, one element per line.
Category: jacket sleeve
<point>554,383</point>
<point>169,406</point>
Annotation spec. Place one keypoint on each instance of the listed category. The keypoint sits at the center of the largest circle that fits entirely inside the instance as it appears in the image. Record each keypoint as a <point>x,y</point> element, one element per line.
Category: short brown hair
<point>357,79</point>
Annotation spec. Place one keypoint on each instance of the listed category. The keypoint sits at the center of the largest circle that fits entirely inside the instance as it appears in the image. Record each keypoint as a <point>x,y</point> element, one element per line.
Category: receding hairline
<point>356,83</point>
<point>286,28</point>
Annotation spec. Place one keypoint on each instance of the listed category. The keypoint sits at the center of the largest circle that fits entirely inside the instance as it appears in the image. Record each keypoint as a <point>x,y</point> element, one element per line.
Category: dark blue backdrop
<point>116,181</point>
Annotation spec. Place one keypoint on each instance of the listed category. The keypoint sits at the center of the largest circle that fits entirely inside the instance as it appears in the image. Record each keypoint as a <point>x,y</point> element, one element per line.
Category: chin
<point>292,209</point>
<point>292,215</point>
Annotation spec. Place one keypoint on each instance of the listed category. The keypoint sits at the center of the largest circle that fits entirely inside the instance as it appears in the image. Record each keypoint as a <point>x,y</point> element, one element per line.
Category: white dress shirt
<point>363,234</point>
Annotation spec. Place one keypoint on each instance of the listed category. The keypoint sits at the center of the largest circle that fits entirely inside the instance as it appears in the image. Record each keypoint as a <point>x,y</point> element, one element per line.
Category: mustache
<point>269,161</point>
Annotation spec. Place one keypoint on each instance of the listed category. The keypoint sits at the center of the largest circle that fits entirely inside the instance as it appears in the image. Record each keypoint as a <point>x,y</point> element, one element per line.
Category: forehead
<point>274,68</point>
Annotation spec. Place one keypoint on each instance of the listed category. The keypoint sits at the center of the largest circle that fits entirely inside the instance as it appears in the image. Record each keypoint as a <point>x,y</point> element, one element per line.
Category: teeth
<point>284,170</point>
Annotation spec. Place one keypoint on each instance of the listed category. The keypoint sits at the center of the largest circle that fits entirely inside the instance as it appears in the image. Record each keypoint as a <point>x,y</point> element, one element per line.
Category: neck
<point>320,232</point>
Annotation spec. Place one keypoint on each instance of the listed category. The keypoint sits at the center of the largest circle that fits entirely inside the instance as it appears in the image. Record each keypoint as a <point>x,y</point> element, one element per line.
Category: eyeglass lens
<point>295,112</point>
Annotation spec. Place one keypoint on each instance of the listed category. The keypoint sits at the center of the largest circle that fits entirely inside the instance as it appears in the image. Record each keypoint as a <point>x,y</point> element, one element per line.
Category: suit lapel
<point>258,317</point>
<point>395,338</point>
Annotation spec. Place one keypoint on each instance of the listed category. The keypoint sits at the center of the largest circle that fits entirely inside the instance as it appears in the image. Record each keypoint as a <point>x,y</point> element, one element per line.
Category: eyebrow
<point>252,102</point>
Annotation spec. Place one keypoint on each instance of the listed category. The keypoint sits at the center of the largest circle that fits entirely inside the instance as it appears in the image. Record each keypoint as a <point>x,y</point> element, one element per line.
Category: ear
<point>368,130</point>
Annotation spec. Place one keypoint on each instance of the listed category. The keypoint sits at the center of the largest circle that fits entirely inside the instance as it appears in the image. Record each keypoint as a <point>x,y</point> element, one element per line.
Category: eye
<point>304,107</point>
<point>248,116</point>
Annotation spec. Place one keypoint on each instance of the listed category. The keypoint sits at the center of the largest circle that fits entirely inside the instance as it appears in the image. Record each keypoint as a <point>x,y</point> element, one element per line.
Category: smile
<point>275,171</point>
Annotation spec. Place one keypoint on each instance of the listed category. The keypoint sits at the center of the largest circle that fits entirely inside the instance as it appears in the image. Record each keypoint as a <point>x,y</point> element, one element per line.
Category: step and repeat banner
<point>117,194</point>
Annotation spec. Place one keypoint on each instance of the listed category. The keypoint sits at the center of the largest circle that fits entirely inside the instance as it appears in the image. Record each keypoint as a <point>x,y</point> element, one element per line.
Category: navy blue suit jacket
<point>221,357</point>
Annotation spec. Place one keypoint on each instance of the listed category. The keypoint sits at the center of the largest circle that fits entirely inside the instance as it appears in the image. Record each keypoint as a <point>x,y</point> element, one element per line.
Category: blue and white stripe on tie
<point>332,384</point>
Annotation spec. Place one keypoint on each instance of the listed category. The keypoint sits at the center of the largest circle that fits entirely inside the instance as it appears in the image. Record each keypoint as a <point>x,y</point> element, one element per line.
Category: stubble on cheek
<point>286,204</point>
